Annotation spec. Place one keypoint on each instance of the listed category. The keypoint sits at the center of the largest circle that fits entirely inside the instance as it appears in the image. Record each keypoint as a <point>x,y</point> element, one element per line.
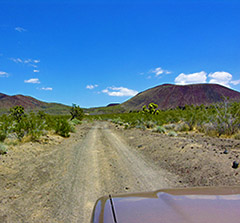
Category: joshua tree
<point>76,112</point>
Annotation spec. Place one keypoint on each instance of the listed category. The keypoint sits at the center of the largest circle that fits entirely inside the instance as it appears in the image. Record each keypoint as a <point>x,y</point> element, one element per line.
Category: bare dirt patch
<point>198,160</point>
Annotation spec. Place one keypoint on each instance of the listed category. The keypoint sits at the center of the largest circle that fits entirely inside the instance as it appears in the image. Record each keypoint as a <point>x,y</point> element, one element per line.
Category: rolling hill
<point>31,104</point>
<point>168,96</point>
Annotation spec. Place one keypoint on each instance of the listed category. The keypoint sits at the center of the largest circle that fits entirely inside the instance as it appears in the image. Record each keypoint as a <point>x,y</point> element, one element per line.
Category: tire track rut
<point>105,164</point>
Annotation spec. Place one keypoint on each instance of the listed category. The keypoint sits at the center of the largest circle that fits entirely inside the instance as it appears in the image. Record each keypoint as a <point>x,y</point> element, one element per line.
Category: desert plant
<point>3,149</point>
<point>160,129</point>
<point>36,125</point>
<point>172,133</point>
<point>150,124</point>
<point>237,136</point>
<point>62,127</point>
<point>17,112</point>
<point>76,112</point>
<point>142,127</point>
<point>76,121</point>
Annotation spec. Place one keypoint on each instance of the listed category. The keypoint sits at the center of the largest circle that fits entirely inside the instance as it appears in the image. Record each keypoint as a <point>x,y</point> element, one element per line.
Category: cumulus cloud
<point>90,86</point>
<point>36,71</point>
<point>193,78</point>
<point>158,71</point>
<point>32,81</point>
<point>46,88</point>
<point>119,91</point>
<point>20,29</point>
<point>3,74</point>
<point>236,82</point>
<point>220,77</point>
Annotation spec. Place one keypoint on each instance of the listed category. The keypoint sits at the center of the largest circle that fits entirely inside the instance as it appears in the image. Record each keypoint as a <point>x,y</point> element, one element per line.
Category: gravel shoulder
<point>59,181</point>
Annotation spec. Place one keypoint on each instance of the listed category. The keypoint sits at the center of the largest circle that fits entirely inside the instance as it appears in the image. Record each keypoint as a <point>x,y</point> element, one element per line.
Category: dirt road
<point>62,183</point>
<point>59,180</point>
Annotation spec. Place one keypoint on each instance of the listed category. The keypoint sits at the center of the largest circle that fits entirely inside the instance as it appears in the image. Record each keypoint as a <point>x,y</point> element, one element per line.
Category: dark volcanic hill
<point>171,96</point>
<point>30,104</point>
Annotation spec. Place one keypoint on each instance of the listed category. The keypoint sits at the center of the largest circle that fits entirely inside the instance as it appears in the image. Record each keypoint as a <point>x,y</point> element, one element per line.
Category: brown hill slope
<point>30,104</point>
<point>171,96</point>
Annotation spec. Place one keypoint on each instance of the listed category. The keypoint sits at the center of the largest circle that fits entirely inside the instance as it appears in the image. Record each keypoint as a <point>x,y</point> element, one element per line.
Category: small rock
<point>235,165</point>
<point>225,151</point>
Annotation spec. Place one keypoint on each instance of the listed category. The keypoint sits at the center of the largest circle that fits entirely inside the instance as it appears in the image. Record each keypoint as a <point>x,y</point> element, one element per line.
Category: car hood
<point>172,205</point>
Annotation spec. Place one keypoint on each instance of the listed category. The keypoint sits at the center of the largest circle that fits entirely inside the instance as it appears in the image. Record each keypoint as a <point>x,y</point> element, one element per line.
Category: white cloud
<point>193,78</point>
<point>3,74</point>
<point>158,71</point>
<point>46,88</point>
<point>90,86</point>
<point>36,71</point>
<point>16,60</point>
<point>220,77</point>
<point>32,81</point>
<point>26,61</point>
<point>119,91</point>
<point>20,29</point>
<point>236,82</point>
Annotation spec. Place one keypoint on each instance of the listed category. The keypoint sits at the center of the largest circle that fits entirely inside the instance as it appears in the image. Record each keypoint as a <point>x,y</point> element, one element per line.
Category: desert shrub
<point>172,133</point>
<point>181,127</point>
<point>225,118</point>
<point>237,136</point>
<point>170,126</point>
<point>142,127</point>
<point>150,124</point>
<point>160,129</point>
<point>3,136</point>
<point>36,125</point>
<point>5,126</point>
<point>72,127</point>
<point>126,126</point>
<point>21,127</point>
<point>75,122</point>
<point>116,120</point>
<point>3,149</point>
<point>62,127</point>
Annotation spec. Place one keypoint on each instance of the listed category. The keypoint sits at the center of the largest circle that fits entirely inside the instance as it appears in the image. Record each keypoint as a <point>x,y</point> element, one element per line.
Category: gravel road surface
<point>62,183</point>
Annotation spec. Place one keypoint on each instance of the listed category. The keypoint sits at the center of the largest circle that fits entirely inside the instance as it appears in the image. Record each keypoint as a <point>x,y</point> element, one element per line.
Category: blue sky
<point>93,53</point>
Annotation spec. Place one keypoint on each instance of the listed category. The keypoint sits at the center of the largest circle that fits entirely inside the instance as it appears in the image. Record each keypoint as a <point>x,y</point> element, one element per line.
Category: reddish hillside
<point>27,102</point>
<point>30,103</point>
<point>171,96</point>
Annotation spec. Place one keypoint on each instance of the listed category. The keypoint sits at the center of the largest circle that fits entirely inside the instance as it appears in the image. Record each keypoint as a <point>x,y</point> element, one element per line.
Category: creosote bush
<point>63,127</point>
<point>33,125</point>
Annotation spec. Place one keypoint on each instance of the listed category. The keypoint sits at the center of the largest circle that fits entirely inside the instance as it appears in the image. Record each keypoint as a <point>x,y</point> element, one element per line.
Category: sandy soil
<point>60,179</point>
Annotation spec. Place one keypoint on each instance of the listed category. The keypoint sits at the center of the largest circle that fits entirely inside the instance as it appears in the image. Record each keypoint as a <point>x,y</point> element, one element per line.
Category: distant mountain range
<point>31,104</point>
<point>166,96</point>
